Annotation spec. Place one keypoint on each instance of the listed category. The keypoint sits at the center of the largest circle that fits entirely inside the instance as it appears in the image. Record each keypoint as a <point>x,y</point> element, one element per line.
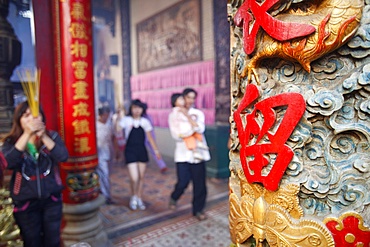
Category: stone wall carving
<point>170,37</point>
<point>330,162</point>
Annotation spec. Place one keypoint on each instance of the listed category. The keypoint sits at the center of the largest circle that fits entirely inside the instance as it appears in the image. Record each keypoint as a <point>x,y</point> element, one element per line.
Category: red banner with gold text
<point>74,73</point>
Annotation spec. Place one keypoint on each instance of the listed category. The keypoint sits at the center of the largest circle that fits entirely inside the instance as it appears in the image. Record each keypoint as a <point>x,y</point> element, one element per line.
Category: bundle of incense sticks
<point>30,80</point>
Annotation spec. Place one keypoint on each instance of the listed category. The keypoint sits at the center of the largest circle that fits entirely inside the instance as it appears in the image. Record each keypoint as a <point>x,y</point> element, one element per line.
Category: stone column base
<point>82,224</point>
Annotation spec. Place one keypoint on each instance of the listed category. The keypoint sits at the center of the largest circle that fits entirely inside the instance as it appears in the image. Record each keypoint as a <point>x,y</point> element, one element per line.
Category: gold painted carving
<point>272,216</point>
<point>284,197</point>
<point>9,231</point>
<point>336,21</point>
<point>276,218</point>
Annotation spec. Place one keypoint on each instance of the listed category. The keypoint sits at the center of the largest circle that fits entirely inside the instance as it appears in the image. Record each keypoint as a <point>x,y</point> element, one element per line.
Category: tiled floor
<point>186,231</point>
<point>157,225</point>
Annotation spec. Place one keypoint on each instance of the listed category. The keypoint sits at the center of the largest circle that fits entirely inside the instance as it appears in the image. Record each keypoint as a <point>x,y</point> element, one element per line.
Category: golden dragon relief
<point>335,22</point>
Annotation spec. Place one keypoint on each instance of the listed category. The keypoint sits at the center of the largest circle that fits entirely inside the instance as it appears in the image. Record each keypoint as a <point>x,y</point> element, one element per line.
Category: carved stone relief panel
<point>300,122</point>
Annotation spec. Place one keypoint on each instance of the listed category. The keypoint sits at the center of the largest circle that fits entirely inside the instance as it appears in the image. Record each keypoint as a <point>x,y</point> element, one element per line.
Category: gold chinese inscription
<point>80,109</point>
<point>79,51</point>
<point>81,145</point>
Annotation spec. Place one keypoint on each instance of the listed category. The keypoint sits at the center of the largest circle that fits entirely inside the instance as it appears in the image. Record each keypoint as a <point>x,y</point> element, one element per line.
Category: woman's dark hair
<point>17,130</point>
<point>189,90</point>
<point>103,109</point>
<point>137,102</point>
<point>174,97</point>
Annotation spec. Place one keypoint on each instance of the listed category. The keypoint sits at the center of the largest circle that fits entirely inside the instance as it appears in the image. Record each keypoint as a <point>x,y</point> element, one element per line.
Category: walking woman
<point>33,154</point>
<point>137,129</point>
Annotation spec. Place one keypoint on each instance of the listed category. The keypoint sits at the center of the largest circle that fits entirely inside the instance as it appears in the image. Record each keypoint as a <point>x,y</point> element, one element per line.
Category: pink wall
<point>155,89</point>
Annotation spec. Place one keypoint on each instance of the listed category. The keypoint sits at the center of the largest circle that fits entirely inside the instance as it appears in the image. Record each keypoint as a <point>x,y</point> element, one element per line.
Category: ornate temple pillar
<point>300,123</point>
<point>124,8</point>
<point>10,57</point>
<point>218,134</point>
<point>44,50</point>
<point>76,111</point>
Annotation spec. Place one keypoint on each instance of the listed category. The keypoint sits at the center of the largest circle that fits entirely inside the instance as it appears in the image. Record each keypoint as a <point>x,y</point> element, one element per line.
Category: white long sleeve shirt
<point>180,123</point>
<point>182,153</point>
<point>104,133</point>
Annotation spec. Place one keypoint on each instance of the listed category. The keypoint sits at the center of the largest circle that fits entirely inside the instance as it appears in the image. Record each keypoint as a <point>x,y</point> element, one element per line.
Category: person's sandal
<point>172,204</point>
<point>201,216</point>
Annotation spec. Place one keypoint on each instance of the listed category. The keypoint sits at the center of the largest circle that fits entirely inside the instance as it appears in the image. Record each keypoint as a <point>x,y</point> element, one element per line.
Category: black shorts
<point>136,154</point>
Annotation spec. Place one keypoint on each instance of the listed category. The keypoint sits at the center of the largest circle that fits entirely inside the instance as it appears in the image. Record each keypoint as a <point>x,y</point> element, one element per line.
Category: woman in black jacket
<point>33,154</point>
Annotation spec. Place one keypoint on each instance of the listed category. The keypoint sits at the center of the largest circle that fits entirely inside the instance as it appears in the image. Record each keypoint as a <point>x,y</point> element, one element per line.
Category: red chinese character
<point>251,13</point>
<point>252,155</point>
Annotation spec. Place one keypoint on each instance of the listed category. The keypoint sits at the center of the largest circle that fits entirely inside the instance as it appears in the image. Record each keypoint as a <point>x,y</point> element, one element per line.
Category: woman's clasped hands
<point>33,126</point>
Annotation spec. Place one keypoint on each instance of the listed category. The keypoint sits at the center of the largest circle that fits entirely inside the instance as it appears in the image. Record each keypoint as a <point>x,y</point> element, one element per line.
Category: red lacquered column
<point>76,121</point>
<point>75,91</point>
